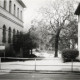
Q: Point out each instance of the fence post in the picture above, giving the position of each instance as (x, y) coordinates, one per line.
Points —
(72, 65)
(0, 63)
(35, 64)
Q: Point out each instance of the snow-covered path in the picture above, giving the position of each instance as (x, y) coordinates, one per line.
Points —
(52, 64)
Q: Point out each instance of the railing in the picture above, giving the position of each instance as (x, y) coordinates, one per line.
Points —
(50, 64)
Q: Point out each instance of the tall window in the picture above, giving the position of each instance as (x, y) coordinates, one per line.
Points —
(17, 32)
(21, 15)
(20, 32)
(4, 4)
(14, 9)
(9, 35)
(10, 5)
(0, 2)
(14, 33)
(18, 12)
(4, 34)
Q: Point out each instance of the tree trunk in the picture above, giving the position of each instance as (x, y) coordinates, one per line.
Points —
(56, 42)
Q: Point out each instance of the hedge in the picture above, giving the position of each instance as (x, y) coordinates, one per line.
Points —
(70, 54)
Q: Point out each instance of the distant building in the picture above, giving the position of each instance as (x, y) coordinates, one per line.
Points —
(11, 19)
(77, 12)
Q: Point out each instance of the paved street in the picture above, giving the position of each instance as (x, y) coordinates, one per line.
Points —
(40, 76)
(46, 69)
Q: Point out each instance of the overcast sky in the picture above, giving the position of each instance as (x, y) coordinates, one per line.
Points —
(31, 11)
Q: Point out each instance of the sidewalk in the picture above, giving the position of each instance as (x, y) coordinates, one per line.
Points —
(41, 76)
(2, 72)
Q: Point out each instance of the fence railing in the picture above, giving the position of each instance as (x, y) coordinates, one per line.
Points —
(51, 64)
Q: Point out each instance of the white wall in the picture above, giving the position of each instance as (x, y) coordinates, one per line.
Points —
(8, 19)
(12, 10)
(79, 34)
(8, 24)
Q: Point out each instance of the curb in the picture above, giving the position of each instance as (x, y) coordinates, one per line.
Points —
(4, 72)
(45, 72)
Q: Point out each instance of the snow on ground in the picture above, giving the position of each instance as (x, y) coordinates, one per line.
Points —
(46, 62)
(44, 54)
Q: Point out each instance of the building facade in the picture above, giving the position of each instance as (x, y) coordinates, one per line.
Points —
(77, 12)
(11, 19)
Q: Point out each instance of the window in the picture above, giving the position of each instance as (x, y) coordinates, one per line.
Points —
(4, 4)
(17, 32)
(14, 9)
(0, 2)
(21, 15)
(9, 35)
(10, 6)
(14, 33)
(20, 32)
(4, 34)
(18, 12)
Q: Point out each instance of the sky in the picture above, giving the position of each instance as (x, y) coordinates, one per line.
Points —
(31, 11)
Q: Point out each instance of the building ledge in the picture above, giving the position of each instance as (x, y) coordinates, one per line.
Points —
(11, 14)
(21, 3)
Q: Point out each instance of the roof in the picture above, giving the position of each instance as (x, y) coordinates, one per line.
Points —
(21, 3)
(77, 12)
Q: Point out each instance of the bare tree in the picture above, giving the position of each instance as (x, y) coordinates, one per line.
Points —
(58, 14)
(55, 19)
(41, 32)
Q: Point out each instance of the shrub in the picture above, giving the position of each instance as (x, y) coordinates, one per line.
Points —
(69, 54)
(1, 53)
(9, 52)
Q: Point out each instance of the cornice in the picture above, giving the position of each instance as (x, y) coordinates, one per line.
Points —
(6, 17)
(21, 3)
(11, 14)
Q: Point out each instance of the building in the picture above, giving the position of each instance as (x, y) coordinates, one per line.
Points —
(77, 12)
(11, 19)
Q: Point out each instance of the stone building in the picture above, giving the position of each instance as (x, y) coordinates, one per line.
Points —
(11, 19)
